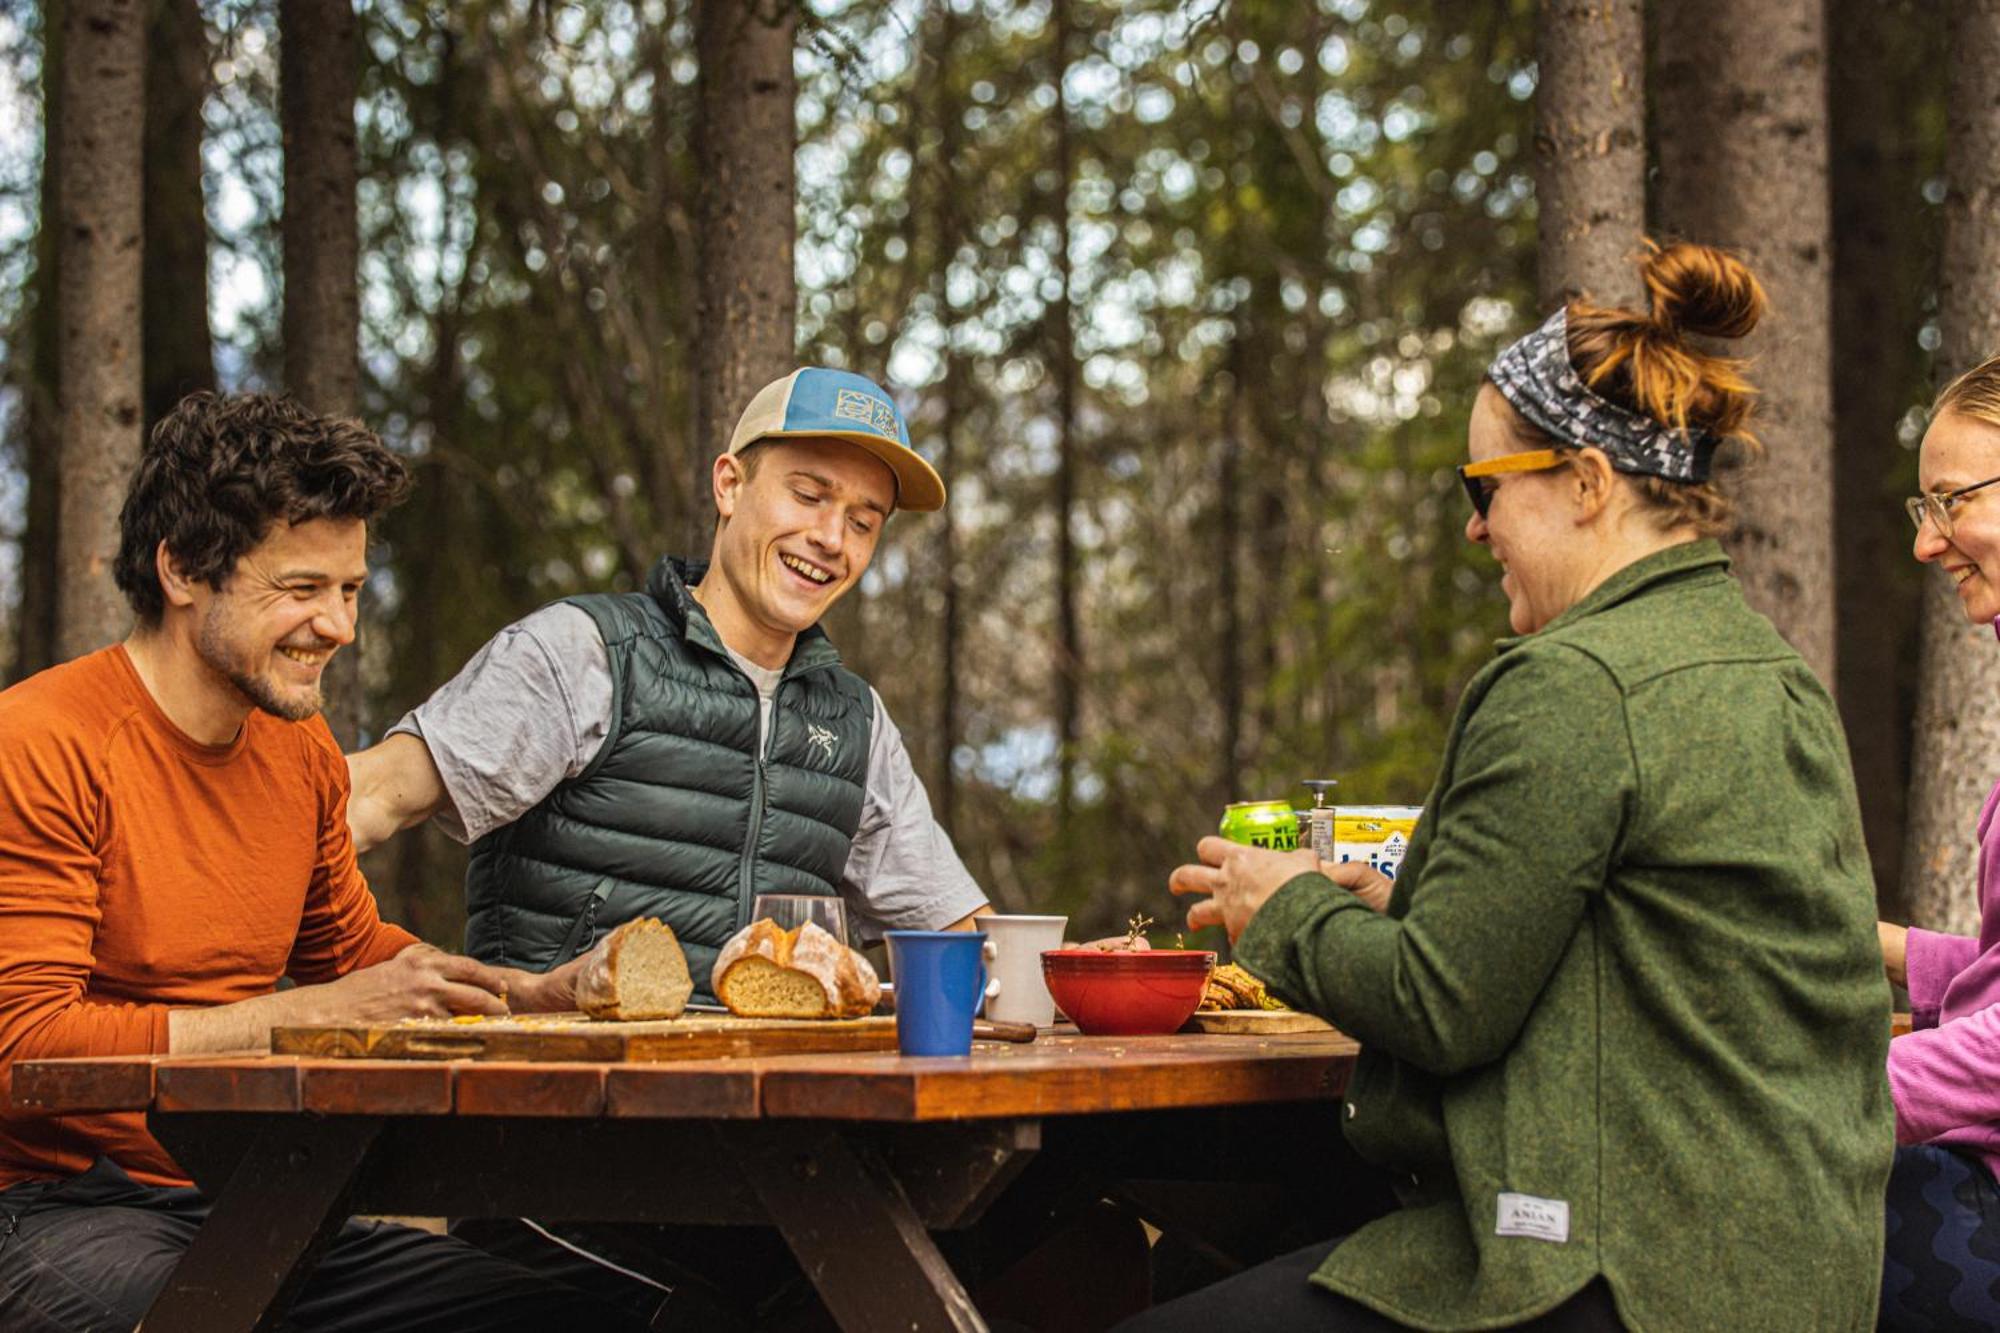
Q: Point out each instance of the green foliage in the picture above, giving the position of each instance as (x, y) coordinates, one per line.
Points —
(1296, 239)
(1297, 233)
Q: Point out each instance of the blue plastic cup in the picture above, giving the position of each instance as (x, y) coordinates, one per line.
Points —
(940, 978)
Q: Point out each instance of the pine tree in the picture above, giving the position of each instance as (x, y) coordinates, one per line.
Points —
(745, 193)
(1957, 741)
(1885, 100)
(101, 122)
(1740, 95)
(319, 57)
(1590, 148)
(177, 354)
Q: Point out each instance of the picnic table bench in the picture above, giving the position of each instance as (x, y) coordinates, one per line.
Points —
(856, 1158)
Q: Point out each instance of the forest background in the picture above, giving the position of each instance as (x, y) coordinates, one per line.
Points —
(1188, 300)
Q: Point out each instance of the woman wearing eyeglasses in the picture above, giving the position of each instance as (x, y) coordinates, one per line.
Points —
(1623, 1015)
(1942, 1269)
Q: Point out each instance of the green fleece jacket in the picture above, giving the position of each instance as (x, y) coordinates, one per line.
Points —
(1625, 1014)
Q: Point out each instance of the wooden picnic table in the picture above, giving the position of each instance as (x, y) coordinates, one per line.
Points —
(856, 1158)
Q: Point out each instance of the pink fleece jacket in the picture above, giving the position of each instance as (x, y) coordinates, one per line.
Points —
(1945, 1076)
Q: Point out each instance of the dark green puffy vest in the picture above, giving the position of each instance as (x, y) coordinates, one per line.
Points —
(678, 817)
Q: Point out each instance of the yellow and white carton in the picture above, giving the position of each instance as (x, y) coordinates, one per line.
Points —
(1377, 834)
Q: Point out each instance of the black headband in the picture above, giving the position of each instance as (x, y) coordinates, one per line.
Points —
(1536, 377)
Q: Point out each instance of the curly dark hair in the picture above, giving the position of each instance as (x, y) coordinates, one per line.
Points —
(220, 470)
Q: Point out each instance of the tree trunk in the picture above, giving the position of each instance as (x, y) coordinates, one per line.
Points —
(1741, 100)
(406, 872)
(951, 624)
(667, 184)
(948, 226)
(1590, 148)
(35, 628)
(319, 54)
(415, 877)
(1062, 368)
(1228, 567)
(1267, 554)
(745, 139)
(177, 354)
(1880, 72)
(102, 128)
(1958, 727)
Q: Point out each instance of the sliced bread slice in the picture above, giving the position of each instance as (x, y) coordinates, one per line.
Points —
(636, 972)
(766, 972)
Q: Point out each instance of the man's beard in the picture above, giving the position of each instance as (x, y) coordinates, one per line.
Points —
(215, 651)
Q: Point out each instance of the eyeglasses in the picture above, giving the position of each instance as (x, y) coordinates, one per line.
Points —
(1481, 491)
(1936, 506)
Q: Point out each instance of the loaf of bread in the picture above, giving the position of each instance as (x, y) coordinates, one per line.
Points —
(637, 971)
(765, 972)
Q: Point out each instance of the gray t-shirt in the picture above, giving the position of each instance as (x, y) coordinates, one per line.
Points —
(534, 706)
(766, 680)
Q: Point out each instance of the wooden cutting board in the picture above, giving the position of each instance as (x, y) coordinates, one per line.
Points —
(1260, 1022)
(574, 1037)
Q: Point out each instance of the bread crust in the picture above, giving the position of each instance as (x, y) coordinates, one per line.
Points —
(845, 978)
(598, 992)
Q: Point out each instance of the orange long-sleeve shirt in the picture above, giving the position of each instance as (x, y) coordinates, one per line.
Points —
(140, 872)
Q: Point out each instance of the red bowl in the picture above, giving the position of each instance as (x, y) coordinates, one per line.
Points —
(1127, 994)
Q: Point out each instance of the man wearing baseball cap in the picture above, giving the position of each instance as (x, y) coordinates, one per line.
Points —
(813, 403)
(676, 751)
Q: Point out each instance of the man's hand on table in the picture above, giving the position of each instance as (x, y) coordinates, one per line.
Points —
(419, 982)
(551, 992)
(1237, 880)
(431, 983)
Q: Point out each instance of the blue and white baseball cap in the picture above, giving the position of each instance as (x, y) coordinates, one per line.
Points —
(839, 405)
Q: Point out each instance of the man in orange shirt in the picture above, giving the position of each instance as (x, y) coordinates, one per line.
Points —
(173, 841)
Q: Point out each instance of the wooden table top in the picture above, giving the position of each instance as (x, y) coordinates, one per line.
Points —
(1060, 1074)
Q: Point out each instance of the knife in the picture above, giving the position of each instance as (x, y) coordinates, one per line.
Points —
(986, 1029)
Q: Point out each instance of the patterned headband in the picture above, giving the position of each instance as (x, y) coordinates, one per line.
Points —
(1535, 375)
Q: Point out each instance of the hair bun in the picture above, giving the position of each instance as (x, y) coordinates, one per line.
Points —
(1702, 290)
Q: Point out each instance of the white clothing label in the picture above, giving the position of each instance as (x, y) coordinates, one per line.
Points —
(1537, 1219)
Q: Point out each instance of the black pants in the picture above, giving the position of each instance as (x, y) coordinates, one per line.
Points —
(90, 1253)
(1941, 1266)
(715, 1279)
(1277, 1297)
(736, 1279)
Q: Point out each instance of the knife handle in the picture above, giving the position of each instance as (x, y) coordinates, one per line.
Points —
(986, 1029)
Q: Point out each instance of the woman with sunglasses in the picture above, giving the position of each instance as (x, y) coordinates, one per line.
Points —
(1622, 1016)
(1942, 1268)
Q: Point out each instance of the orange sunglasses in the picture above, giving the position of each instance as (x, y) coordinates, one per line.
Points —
(1480, 491)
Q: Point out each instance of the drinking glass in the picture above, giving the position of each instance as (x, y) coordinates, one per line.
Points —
(790, 910)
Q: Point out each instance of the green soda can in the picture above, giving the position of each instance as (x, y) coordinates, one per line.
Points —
(1270, 824)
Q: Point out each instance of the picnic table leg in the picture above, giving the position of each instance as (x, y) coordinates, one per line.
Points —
(267, 1228)
(853, 1231)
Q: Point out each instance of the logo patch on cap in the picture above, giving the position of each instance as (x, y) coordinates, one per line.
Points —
(867, 409)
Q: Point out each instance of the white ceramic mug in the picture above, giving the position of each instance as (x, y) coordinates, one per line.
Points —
(1018, 941)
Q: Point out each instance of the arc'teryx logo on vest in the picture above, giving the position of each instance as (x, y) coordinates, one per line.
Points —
(821, 739)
